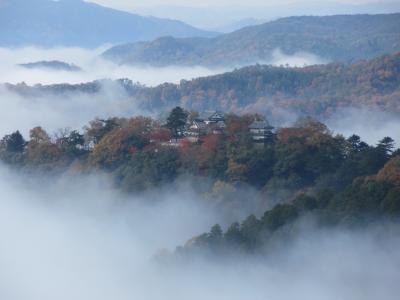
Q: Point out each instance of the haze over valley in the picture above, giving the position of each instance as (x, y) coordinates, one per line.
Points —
(184, 150)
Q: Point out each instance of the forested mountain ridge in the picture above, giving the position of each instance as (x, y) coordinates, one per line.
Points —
(139, 154)
(67, 89)
(303, 171)
(77, 23)
(364, 204)
(341, 38)
(55, 65)
(314, 91)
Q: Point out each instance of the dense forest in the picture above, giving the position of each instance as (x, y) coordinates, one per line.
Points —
(277, 92)
(305, 169)
(367, 202)
(316, 91)
(343, 38)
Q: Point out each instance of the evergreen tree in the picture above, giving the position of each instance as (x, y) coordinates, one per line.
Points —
(14, 142)
(176, 121)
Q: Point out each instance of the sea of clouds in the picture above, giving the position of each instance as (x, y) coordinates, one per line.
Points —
(78, 238)
(75, 110)
(93, 67)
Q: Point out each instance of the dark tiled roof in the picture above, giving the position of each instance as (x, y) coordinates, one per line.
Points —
(199, 124)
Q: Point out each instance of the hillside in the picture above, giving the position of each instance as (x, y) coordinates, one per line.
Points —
(366, 202)
(342, 38)
(297, 172)
(276, 91)
(50, 23)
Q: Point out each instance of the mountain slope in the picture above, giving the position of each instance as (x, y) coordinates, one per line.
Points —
(316, 91)
(335, 38)
(77, 23)
(280, 93)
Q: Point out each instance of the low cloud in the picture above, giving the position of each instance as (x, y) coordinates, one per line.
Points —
(79, 238)
(94, 67)
(52, 111)
(299, 59)
(76, 237)
(370, 124)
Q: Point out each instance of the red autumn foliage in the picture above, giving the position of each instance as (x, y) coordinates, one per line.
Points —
(210, 142)
(184, 144)
(284, 134)
(159, 135)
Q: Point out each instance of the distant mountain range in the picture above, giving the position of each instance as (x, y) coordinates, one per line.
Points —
(50, 23)
(52, 65)
(220, 18)
(342, 38)
(278, 92)
(237, 25)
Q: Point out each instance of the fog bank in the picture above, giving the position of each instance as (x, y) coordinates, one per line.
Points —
(370, 124)
(77, 238)
(93, 67)
(53, 112)
(299, 59)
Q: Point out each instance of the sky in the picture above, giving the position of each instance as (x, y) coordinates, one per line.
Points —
(223, 15)
(133, 3)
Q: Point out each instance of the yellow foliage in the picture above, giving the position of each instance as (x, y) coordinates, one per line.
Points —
(391, 171)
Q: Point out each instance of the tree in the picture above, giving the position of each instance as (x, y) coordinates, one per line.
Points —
(116, 147)
(250, 230)
(387, 145)
(216, 233)
(122, 142)
(391, 171)
(39, 136)
(305, 203)
(12, 148)
(176, 121)
(71, 142)
(237, 172)
(148, 168)
(13, 143)
(280, 215)
(98, 128)
(391, 203)
(237, 126)
(41, 151)
(354, 145)
(233, 236)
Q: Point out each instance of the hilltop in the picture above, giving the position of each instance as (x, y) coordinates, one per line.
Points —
(48, 23)
(341, 38)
